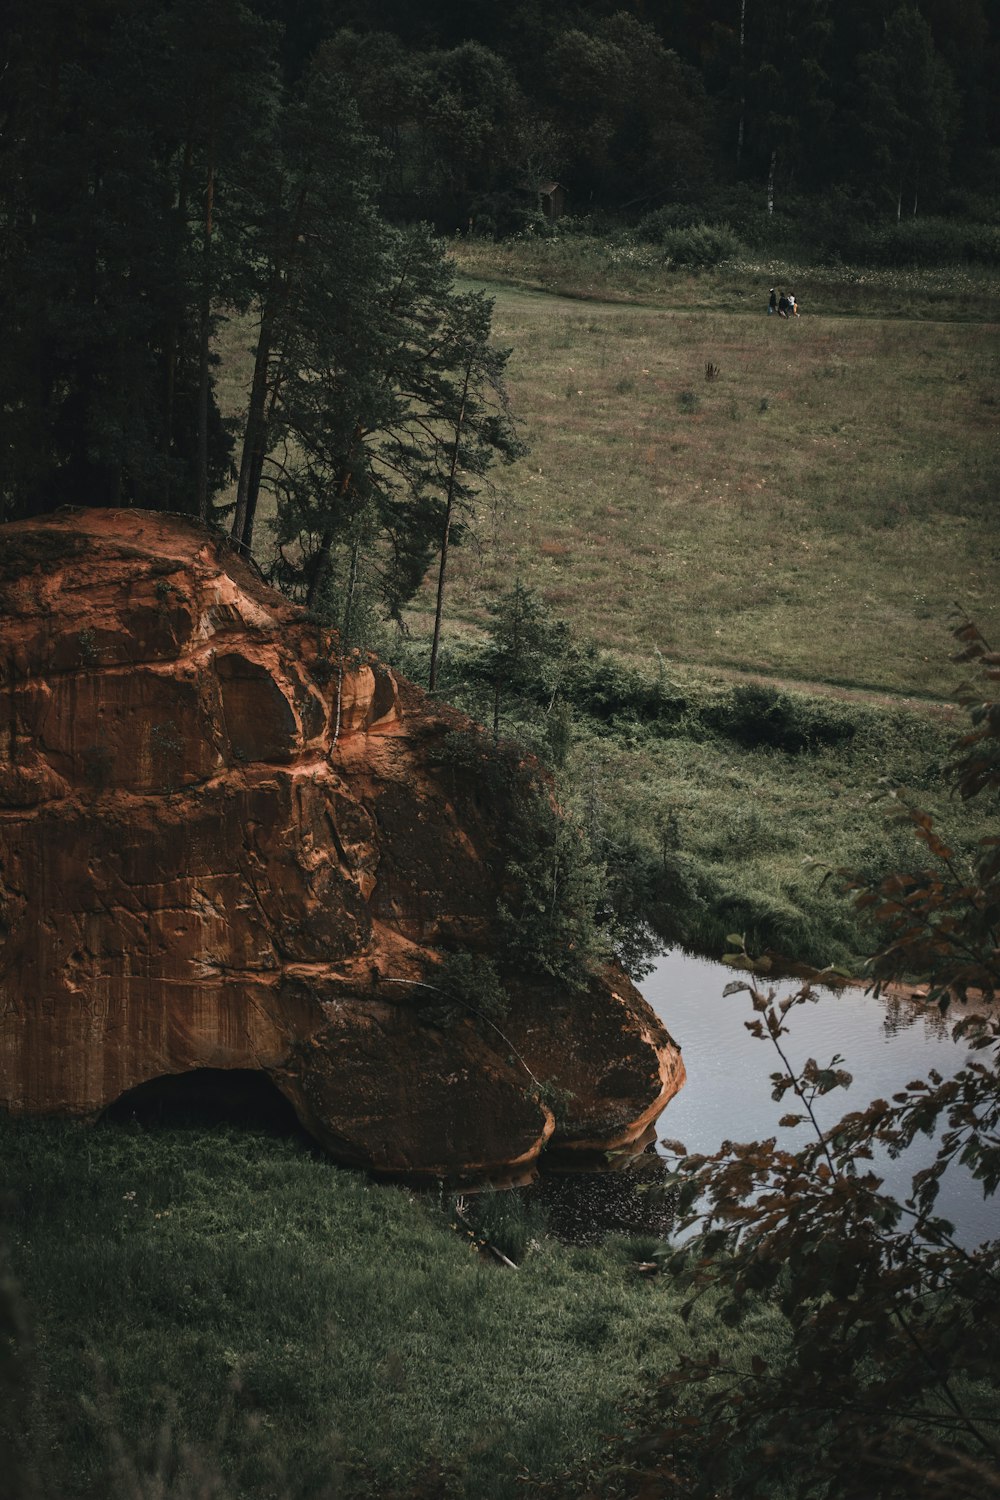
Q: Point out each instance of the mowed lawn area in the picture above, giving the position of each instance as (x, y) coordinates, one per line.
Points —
(804, 499)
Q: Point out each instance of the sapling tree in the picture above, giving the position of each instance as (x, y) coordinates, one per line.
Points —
(552, 888)
(527, 649)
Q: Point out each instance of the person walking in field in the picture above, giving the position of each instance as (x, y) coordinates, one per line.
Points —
(772, 305)
(783, 305)
(793, 306)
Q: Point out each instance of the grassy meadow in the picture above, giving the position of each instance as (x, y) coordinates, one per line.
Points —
(732, 504)
(721, 500)
(221, 1314)
(803, 499)
(806, 500)
(622, 269)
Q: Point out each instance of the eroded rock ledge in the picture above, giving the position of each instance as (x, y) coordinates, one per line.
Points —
(214, 853)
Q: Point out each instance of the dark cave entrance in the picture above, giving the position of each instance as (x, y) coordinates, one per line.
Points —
(206, 1097)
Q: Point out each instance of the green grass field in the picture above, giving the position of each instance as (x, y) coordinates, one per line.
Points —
(807, 500)
(222, 1314)
(718, 497)
(803, 499)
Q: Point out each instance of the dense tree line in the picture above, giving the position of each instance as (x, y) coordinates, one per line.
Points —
(889, 104)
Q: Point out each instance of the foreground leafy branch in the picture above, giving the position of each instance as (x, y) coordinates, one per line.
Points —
(886, 1383)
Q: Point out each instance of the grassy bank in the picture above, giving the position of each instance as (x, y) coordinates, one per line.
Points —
(621, 268)
(224, 1313)
(708, 799)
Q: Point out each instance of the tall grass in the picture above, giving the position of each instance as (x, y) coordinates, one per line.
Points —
(224, 1313)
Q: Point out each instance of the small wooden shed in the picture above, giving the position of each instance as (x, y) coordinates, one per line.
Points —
(551, 199)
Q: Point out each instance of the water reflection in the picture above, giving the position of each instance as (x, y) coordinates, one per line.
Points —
(728, 1091)
(902, 1012)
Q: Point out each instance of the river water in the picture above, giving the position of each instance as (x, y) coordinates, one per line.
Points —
(728, 1091)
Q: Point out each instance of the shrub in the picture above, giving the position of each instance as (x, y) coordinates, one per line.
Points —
(508, 1221)
(686, 239)
(465, 982)
(553, 889)
(605, 689)
(550, 886)
(671, 216)
(701, 245)
(922, 242)
(755, 714)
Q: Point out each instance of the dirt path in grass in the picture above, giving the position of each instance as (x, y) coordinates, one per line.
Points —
(942, 709)
(918, 296)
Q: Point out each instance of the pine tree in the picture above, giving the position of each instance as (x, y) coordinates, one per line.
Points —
(383, 432)
(907, 112)
(316, 251)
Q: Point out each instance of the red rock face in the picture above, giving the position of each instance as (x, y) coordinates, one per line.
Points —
(218, 850)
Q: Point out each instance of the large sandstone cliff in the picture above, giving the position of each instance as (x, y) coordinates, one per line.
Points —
(217, 851)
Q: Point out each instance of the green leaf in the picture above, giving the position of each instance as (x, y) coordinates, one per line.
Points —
(738, 961)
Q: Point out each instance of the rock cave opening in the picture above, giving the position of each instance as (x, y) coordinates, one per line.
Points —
(205, 1097)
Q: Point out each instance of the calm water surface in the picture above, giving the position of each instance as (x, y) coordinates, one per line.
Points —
(728, 1091)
